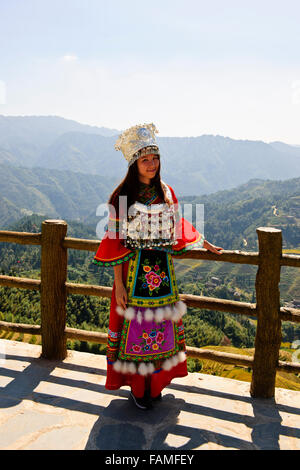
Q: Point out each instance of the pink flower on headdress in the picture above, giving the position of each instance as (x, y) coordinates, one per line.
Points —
(156, 267)
(136, 348)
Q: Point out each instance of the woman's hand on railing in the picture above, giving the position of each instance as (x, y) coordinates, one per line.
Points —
(121, 295)
(212, 248)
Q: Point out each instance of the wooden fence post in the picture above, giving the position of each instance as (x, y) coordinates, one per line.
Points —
(54, 260)
(268, 333)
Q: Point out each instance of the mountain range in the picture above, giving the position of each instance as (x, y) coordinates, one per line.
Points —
(191, 165)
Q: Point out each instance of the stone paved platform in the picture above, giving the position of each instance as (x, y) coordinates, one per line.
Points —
(64, 405)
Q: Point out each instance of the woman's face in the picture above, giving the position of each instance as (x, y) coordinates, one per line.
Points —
(147, 167)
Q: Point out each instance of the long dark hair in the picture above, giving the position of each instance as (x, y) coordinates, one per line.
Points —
(130, 186)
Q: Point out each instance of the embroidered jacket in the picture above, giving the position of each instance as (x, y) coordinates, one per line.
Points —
(112, 250)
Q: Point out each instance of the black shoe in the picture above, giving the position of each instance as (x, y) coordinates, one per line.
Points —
(143, 403)
(148, 396)
(159, 397)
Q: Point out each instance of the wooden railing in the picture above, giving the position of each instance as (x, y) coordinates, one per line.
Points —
(54, 288)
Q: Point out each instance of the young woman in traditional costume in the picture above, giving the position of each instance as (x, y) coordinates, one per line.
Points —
(146, 344)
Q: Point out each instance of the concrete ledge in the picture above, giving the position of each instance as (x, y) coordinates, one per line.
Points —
(64, 405)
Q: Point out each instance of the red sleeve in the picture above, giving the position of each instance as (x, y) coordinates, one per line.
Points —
(188, 238)
(111, 250)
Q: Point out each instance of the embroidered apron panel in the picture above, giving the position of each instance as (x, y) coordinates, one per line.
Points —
(151, 280)
(148, 341)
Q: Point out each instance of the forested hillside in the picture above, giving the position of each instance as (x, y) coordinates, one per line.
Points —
(50, 193)
(232, 216)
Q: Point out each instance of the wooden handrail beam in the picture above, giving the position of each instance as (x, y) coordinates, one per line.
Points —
(290, 260)
(87, 289)
(20, 328)
(22, 238)
(81, 244)
(222, 305)
(289, 314)
(20, 282)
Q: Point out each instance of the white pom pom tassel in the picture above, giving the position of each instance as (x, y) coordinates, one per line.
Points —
(139, 317)
(159, 315)
(129, 313)
(168, 313)
(142, 369)
(146, 369)
(176, 315)
(181, 356)
(117, 366)
(149, 314)
(167, 365)
(131, 368)
(181, 306)
(124, 367)
(174, 361)
(151, 368)
(120, 310)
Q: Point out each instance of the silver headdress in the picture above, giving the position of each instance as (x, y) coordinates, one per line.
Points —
(137, 141)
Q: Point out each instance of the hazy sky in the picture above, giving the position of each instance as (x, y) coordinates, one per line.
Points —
(192, 67)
